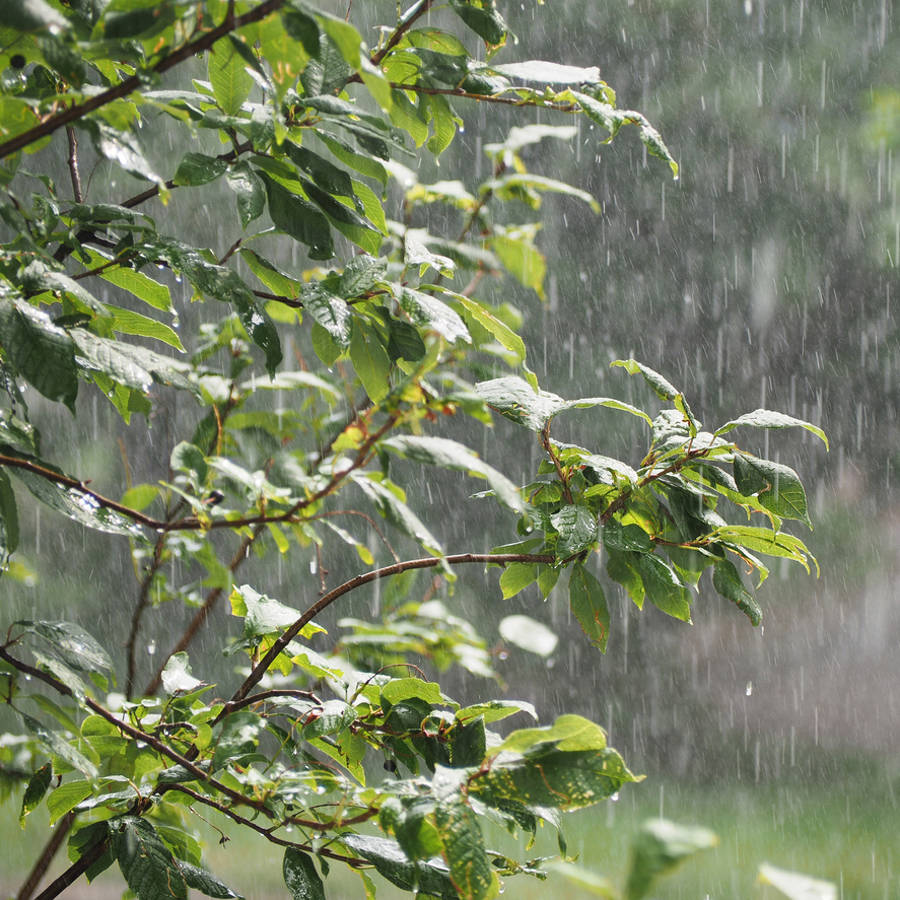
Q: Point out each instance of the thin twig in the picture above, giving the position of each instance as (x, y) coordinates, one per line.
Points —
(77, 190)
(265, 832)
(386, 571)
(202, 614)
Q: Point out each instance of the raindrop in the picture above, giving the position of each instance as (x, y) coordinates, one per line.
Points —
(749, 689)
(313, 567)
(151, 648)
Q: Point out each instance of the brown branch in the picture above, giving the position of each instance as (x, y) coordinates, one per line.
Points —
(74, 872)
(266, 832)
(202, 614)
(42, 863)
(262, 696)
(138, 612)
(77, 190)
(212, 598)
(399, 31)
(545, 443)
(133, 83)
(386, 571)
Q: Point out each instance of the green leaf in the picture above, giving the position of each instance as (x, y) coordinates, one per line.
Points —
(33, 15)
(659, 846)
(142, 286)
(577, 530)
(664, 589)
(249, 191)
(460, 833)
(765, 540)
(517, 401)
(584, 879)
(501, 332)
(516, 577)
(795, 886)
(130, 365)
(549, 72)
(331, 312)
(71, 644)
(126, 321)
(177, 677)
(35, 790)
(9, 521)
(66, 797)
(228, 75)
(58, 745)
(449, 454)
(664, 388)
(148, 866)
(777, 487)
(766, 418)
(529, 634)
(626, 537)
(431, 877)
(121, 148)
(301, 877)
(523, 260)
(513, 185)
(205, 882)
(468, 743)
(483, 18)
(78, 506)
(495, 710)
(727, 581)
(589, 606)
(41, 351)
(399, 689)
(371, 361)
(554, 778)
(300, 219)
(429, 313)
(393, 508)
(198, 168)
(262, 614)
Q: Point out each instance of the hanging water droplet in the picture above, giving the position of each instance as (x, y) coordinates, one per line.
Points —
(615, 797)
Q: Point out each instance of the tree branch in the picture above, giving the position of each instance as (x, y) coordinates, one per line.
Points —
(133, 83)
(77, 190)
(202, 614)
(265, 832)
(42, 863)
(74, 872)
(427, 562)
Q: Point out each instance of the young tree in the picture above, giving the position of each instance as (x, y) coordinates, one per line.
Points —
(389, 328)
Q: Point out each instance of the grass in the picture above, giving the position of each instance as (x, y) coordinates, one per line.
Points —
(843, 829)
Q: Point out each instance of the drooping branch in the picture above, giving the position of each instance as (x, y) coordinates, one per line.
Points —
(427, 562)
(129, 85)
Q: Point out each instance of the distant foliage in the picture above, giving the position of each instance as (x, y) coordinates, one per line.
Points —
(350, 756)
